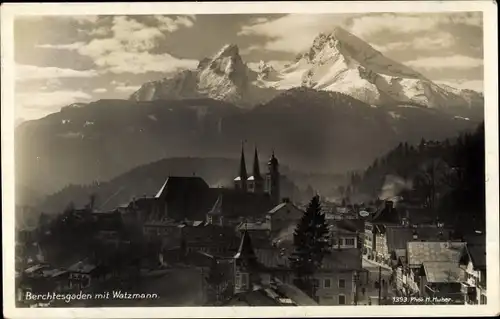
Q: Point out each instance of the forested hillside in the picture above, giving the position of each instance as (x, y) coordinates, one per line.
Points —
(446, 177)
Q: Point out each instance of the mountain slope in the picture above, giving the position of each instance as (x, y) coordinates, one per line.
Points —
(312, 131)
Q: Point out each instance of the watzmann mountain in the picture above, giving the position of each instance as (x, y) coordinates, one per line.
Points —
(338, 61)
(336, 108)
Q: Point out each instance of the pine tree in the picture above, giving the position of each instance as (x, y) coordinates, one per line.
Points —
(311, 245)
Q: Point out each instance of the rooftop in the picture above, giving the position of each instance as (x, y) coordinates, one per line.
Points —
(82, 267)
(443, 272)
(253, 226)
(420, 252)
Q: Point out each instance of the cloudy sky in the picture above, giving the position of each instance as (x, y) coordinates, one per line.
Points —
(62, 60)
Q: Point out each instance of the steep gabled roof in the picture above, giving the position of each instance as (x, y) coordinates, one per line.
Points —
(180, 184)
(420, 252)
(245, 251)
(476, 253)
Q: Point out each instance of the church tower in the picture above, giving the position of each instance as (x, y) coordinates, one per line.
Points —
(273, 179)
(240, 182)
(256, 182)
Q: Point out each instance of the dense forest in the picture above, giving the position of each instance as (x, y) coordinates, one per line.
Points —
(446, 177)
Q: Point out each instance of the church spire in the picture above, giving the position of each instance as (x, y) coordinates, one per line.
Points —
(243, 168)
(256, 167)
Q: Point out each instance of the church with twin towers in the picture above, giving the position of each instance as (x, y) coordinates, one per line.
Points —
(257, 183)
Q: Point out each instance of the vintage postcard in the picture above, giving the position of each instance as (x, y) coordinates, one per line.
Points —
(252, 159)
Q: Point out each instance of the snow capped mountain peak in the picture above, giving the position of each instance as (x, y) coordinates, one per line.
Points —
(223, 76)
(336, 61)
(228, 50)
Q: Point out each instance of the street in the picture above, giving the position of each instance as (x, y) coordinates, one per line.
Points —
(368, 290)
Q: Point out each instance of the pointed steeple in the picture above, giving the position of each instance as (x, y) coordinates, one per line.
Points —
(256, 167)
(245, 251)
(243, 168)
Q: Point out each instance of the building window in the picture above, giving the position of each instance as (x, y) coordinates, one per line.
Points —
(349, 242)
(327, 283)
(341, 299)
(244, 280)
(341, 283)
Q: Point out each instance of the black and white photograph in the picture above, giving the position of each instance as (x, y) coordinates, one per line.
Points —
(245, 158)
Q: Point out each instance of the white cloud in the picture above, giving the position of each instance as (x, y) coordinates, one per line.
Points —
(32, 105)
(295, 32)
(119, 62)
(100, 31)
(169, 24)
(83, 19)
(291, 33)
(440, 40)
(446, 62)
(128, 49)
(33, 72)
(276, 64)
(69, 46)
(398, 23)
(127, 89)
(100, 90)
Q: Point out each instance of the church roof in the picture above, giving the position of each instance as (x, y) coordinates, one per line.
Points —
(233, 203)
(179, 184)
(256, 168)
(243, 168)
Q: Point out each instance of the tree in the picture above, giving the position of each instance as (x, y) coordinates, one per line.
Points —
(430, 180)
(310, 241)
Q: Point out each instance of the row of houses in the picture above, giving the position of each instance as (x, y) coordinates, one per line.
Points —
(428, 259)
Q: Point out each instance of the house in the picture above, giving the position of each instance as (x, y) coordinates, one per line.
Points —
(338, 278)
(82, 275)
(391, 237)
(473, 263)
(255, 285)
(442, 279)
(283, 215)
(165, 229)
(341, 213)
(370, 240)
(342, 236)
(39, 279)
(420, 252)
(259, 230)
(212, 239)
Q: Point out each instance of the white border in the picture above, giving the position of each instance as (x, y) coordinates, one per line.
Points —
(8, 11)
